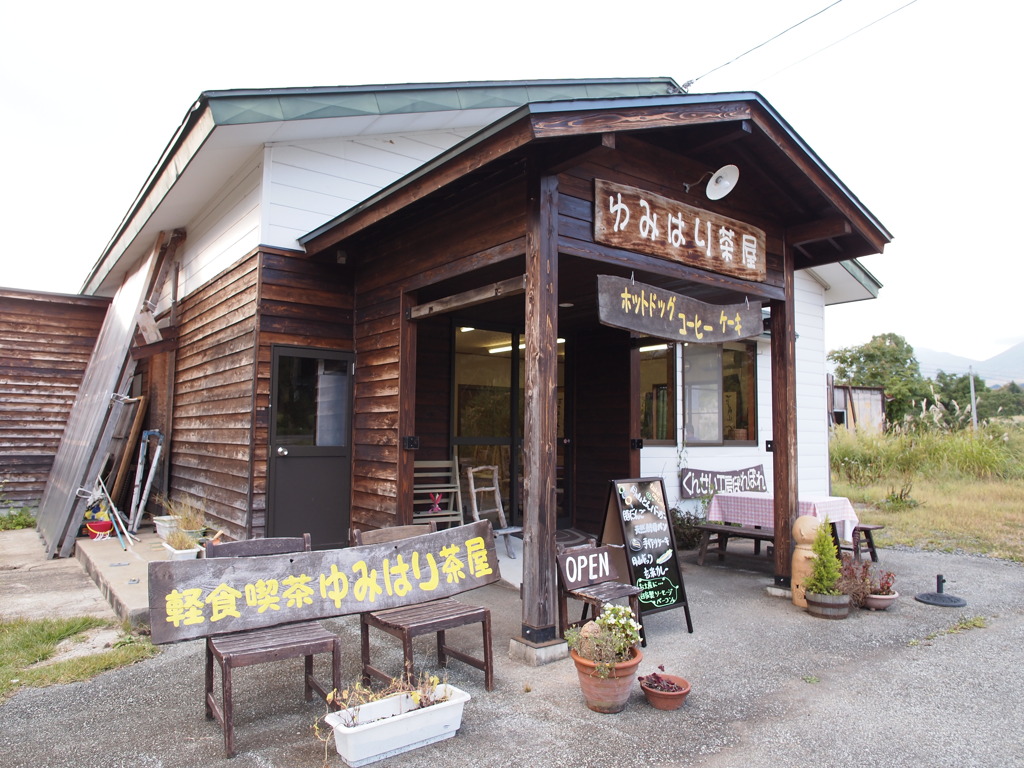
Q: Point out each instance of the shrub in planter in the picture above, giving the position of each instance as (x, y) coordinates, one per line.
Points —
(824, 598)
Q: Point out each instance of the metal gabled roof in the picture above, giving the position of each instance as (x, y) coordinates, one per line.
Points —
(223, 128)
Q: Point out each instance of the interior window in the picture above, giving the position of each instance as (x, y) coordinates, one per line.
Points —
(658, 394)
(719, 385)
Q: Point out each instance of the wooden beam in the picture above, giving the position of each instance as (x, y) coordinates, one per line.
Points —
(574, 123)
(783, 356)
(816, 231)
(540, 417)
(511, 287)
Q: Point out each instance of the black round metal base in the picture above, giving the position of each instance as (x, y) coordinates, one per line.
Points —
(941, 599)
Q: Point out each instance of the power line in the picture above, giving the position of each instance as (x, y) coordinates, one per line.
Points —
(837, 42)
(686, 86)
(689, 83)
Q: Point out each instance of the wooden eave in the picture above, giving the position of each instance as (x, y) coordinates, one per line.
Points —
(825, 222)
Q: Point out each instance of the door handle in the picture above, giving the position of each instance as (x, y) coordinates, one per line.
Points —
(282, 451)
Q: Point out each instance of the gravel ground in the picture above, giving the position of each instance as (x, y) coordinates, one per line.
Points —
(772, 686)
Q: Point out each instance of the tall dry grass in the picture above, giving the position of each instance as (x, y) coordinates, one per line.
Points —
(949, 491)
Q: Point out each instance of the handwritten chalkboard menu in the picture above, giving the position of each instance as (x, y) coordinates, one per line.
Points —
(638, 519)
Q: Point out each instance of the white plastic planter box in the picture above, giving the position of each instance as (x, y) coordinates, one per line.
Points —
(393, 725)
(164, 525)
(182, 554)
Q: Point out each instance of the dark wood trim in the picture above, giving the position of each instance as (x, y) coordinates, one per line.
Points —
(783, 356)
(573, 123)
(634, 409)
(663, 267)
(406, 410)
(816, 231)
(511, 287)
(827, 186)
(539, 588)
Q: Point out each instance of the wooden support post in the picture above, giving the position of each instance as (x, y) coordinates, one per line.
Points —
(783, 326)
(539, 591)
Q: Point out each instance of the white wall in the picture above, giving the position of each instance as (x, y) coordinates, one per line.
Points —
(310, 183)
(287, 190)
(811, 401)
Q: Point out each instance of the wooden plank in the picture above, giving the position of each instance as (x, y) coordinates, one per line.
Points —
(643, 221)
(540, 415)
(786, 487)
(197, 598)
(512, 287)
(648, 310)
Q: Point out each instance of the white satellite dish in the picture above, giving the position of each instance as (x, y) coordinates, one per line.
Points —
(722, 182)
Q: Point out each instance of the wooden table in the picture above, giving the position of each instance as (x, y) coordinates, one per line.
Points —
(758, 509)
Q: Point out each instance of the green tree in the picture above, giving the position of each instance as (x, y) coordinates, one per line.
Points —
(886, 361)
(954, 392)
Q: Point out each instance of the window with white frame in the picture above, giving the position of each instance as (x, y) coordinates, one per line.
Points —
(719, 393)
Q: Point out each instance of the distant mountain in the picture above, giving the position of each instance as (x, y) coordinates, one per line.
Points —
(996, 371)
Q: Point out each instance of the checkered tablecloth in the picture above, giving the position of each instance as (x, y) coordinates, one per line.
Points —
(759, 509)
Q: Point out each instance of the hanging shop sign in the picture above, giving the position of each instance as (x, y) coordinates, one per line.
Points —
(638, 220)
(698, 483)
(651, 311)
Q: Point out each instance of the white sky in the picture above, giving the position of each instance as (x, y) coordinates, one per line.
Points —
(914, 113)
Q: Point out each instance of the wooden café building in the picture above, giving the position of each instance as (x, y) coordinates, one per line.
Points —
(318, 288)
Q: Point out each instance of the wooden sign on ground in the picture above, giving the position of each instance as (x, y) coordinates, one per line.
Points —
(196, 598)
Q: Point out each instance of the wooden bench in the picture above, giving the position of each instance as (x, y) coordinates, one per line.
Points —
(259, 600)
(722, 532)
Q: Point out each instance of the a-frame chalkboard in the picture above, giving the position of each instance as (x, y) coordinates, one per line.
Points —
(638, 519)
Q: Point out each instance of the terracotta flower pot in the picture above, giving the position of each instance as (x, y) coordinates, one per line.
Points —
(880, 602)
(607, 695)
(667, 700)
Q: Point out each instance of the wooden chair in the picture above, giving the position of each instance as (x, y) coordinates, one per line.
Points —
(588, 574)
(435, 617)
(436, 494)
(256, 646)
(489, 474)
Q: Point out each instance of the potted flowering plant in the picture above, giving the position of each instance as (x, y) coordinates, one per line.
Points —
(867, 587)
(606, 654)
(881, 594)
(664, 691)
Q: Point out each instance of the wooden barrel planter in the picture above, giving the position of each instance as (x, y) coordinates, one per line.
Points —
(828, 606)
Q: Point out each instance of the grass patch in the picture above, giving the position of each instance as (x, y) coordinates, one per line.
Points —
(15, 519)
(25, 643)
(952, 514)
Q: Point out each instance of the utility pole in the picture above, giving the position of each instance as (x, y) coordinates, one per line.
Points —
(974, 403)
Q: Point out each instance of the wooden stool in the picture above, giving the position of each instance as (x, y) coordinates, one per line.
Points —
(864, 541)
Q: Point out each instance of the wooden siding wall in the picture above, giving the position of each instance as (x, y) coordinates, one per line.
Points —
(441, 244)
(303, 303)
(45, 343)
(212, 422)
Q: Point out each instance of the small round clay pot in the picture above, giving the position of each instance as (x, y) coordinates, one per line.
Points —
(668, 700)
